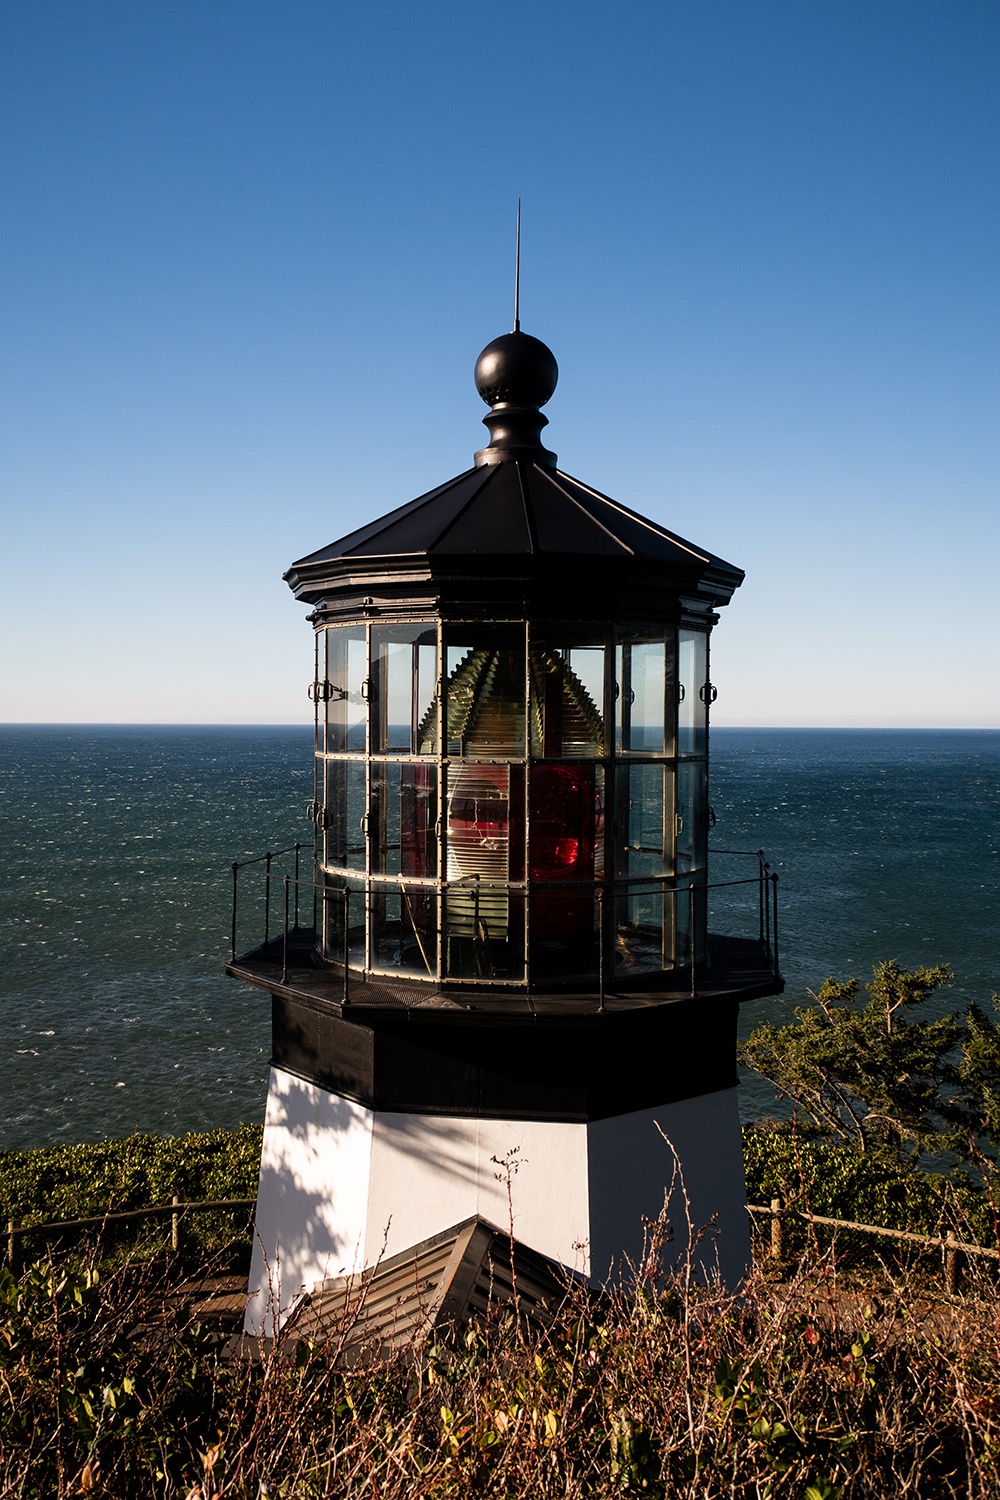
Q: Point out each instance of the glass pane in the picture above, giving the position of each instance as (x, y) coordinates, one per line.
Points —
(483, 932)
(567, 700)
(691, 820)
(565, 830)
(644, 854)
(692, 710)
(344, 814)
(485, 690)
(384, 821)
(562, 822)
(485, 827)
(344, 900)
(691, 833)
(484, 921)
(418, 820)
(404, 676)
(319, 702)
(643, 674)
(564, 937)
(404, 929)
(691, 923)
(641, 930)
(404, 818)
(643, 811)
(346, 672)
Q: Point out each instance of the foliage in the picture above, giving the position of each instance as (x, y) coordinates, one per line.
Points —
(671, 1390)
(87, 1181)
(881, 1077)
(91, 1394)
(842, 1182)
(979, 1069)
(77, 1182)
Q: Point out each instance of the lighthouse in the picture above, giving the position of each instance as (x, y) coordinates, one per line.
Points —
(496, 993)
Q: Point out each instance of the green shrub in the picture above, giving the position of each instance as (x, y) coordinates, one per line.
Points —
(841, 1182)
(140, 1171)
(79, 1182)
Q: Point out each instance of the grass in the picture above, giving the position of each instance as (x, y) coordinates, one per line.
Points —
(845, 1373)
(802, 1387)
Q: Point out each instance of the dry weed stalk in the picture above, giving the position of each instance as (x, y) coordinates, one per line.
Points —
(806, 1386)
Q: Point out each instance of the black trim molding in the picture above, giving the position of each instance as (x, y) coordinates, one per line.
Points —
(544, 1068)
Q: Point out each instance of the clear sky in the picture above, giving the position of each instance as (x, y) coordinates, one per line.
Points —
(251, 249)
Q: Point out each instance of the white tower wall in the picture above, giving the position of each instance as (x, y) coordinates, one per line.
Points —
(342, 1186)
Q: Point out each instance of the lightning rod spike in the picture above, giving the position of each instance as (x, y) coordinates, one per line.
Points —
(517, 273)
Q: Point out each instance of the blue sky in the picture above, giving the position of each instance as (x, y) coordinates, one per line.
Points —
(251, 251)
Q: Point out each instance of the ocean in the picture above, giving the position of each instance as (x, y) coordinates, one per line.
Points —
(116, 844)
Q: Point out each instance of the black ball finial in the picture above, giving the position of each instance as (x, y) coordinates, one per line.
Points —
(515, 375)
(516, 369)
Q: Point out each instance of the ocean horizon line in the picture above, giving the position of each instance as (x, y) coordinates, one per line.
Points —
(307, 724)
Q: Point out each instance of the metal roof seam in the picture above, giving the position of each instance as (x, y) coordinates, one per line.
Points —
(634, 515)
(450, 525)
(476, 493)
(584, 511)
(362, 534)
(528, 518)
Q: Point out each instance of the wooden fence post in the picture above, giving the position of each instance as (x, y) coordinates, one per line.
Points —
(12, 1224)
(776, 1246)
(175, 1226)
(950, 1264)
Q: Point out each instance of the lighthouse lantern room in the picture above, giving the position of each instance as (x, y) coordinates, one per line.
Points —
(509, 980)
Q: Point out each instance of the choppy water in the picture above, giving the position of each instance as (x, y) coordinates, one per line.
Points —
(115, 846)
(887, 845)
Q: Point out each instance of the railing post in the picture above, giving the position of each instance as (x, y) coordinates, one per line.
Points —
(761, 892)
(175, 1226)
(236, 871)
(297, 848)
(950, 1264)
(267, 899)
(776, 1230)
(284, 936)
(12, 1224)
(774, 945)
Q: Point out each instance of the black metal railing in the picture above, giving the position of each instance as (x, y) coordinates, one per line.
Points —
(267, 860)
(764, 879)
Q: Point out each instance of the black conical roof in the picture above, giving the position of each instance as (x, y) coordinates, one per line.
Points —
(509, 510)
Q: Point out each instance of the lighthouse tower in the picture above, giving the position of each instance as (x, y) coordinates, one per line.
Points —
(510, 986)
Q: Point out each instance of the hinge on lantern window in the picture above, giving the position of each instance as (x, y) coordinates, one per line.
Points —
(708, 693)
(681, 692)
(320, 692)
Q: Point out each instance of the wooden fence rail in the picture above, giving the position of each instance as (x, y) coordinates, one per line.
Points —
(776, 1212)
(952, 1246)
(173, 1210)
